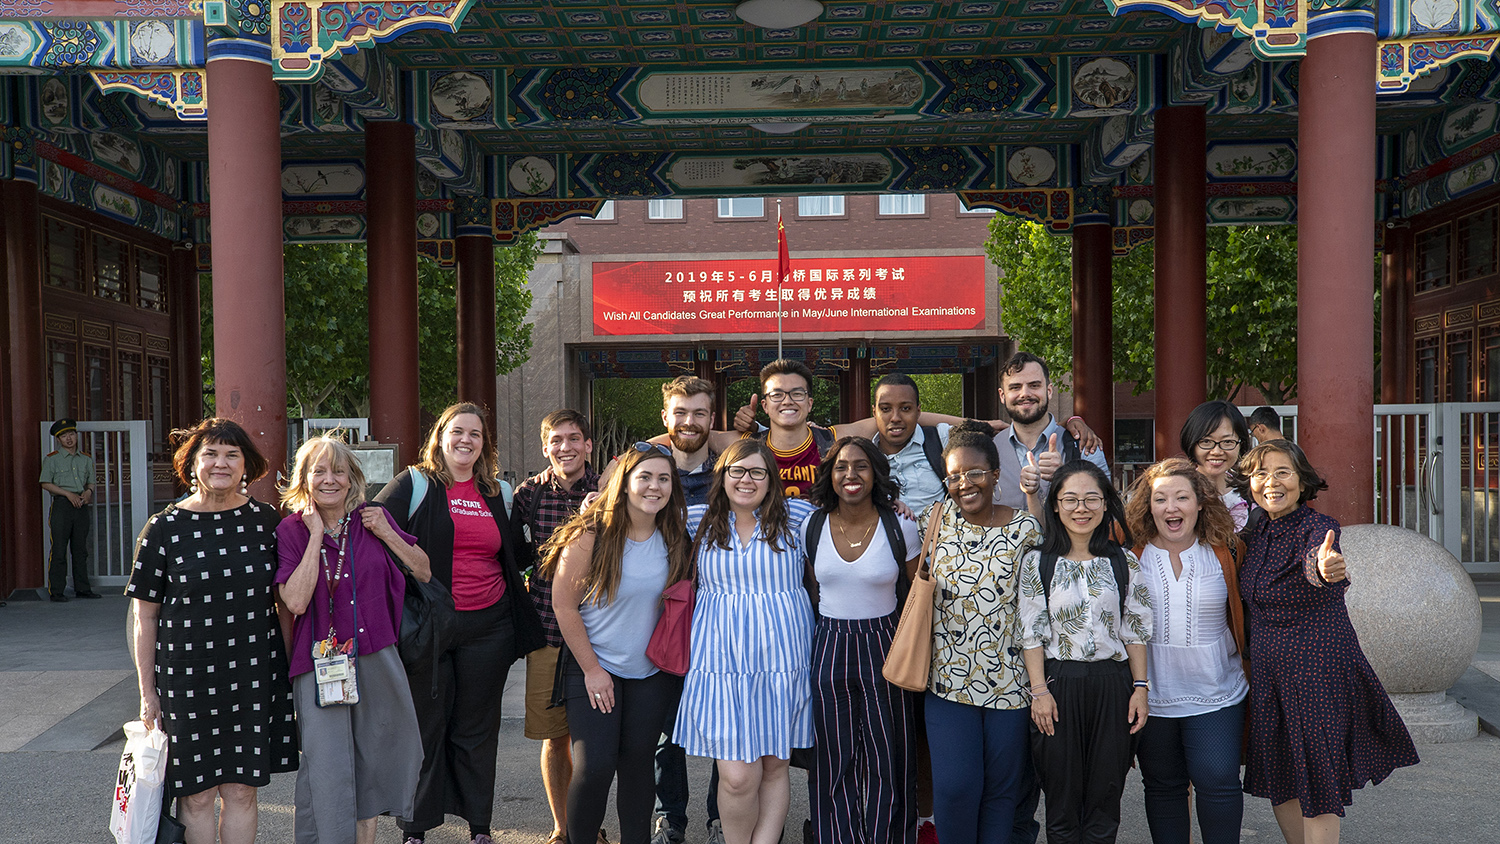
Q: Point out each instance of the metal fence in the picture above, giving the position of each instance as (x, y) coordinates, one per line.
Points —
(1437, 472)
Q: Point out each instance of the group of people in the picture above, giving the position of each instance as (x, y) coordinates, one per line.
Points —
(1194, 626)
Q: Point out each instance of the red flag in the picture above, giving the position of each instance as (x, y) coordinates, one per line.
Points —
(783, 258)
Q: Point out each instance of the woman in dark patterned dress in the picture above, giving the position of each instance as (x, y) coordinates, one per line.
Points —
(209, 651)
(1321, 725)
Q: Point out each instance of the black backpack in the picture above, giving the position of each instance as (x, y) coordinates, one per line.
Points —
(932, 446)
(1117, 562)
(893, 535)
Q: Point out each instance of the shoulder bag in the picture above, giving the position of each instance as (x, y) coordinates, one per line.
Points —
(669, 647)
(427, 613)
(909, 662)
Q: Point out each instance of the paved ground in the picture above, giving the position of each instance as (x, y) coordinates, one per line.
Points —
(66, 685)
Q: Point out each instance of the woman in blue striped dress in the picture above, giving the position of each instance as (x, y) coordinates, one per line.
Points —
(746, 701)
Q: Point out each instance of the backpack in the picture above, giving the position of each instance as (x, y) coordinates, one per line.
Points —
(1117, 562)
(893, 535)
(932, 446)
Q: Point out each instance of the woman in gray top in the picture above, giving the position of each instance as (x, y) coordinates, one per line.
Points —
(609, 565)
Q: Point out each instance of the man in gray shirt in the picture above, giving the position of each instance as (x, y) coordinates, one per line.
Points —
(1035, 444)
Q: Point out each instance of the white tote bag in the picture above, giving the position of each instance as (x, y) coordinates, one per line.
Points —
(139, 786)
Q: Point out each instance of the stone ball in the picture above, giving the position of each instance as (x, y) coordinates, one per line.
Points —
(1414, 607)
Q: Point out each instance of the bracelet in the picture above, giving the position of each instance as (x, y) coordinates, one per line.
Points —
(1142, 684)
(1071, 418)
(1042, 693)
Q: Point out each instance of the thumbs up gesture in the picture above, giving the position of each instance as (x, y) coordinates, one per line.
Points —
(1330, 562)
(1050, 459)
(744, 418)
(1031, 476)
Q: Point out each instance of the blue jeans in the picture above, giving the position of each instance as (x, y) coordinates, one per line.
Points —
(1201, 749)
(981, 771)
(672, 783)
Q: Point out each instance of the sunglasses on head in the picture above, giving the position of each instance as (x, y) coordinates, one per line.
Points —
(644, 447)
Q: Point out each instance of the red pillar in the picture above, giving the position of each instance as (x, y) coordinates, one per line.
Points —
(390, 194)
(244, 164)
(187, 339)
(1181, 293)
(706, 367)
(476, 321)
(1395, 349)
(24, 567)
(859, 385)
(1093, 328)
(1336, 239)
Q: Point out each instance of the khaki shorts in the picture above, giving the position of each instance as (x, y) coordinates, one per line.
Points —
(541, 722)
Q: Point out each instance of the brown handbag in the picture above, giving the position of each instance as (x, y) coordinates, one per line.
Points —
(909, 662)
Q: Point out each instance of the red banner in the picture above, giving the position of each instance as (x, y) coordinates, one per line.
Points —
(918, 293)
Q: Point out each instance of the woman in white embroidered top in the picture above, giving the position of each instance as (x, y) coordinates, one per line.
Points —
(1190, 563)
(1086, 619)
(862, 784)
(609, 565)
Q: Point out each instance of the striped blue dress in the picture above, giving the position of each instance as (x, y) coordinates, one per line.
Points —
(748, 691)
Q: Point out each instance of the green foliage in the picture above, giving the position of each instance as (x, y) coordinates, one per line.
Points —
(632, 405)
(940, 393)
(327, 326)
(1252, 304)
(825, 398)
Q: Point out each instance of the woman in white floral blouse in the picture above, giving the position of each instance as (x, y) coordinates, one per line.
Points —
(976, 701)
(1087, 619)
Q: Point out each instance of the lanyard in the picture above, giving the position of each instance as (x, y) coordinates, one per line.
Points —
(332, 577)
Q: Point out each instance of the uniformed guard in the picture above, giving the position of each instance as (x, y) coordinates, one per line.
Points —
(69, 476)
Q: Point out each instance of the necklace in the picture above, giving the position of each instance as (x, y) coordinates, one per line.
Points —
(862, 539)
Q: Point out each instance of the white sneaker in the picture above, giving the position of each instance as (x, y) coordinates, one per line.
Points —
(715, 832)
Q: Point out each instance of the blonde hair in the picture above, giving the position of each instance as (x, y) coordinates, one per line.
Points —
(297, 495)
(486, 466)
(609, 521)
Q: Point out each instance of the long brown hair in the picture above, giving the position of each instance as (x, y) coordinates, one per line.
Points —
(486, 467)
(608, 519)
(1215, 525)
(774, 524)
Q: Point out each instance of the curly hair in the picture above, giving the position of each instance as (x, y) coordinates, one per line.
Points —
(609, 521)
(1312, 482)
(975, 435)
(775, 525)
(883, 492)
(1214, 525)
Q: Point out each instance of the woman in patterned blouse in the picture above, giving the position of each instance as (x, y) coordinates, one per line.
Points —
(976, 704)
(1086, 613)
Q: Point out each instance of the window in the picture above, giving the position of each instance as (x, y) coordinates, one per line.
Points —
(820, 206)
(110, 280)
(1489, 363)
(742, 206)
(1476, 245)
(158, 373)
(606, 211)
(63, 243)
(1432, 258)
(96, 385)
(1460, 376)
(150, 281)
(1427, 383)
(963, 208)
(62, 360)
(664, 209)
(131, 394)
(1135, 440)
(903, 203)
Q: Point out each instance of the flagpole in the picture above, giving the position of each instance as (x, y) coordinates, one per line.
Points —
(779, 279)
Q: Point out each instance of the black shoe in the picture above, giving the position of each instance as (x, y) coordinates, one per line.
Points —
(59, 599)
(87, 595)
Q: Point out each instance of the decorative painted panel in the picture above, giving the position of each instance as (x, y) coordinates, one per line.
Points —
(310, 31)
(117, 44)
(183, 91)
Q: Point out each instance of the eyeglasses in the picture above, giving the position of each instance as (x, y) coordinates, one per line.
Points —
(645, 447)
(782, 395)
(1282, 476)
(755, 473)
(1209, 443)
(973, 476)
(1088, 502)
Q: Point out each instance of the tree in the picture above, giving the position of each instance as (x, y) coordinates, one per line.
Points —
(327, 326)
(1252, 305)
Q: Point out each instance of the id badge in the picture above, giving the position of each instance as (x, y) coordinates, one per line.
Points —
(333, 669)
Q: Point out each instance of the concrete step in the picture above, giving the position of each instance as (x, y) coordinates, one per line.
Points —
(96, 723)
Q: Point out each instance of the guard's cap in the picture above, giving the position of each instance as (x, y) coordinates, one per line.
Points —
(63, 426)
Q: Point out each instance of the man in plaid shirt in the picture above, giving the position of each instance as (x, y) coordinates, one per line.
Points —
(542, 503)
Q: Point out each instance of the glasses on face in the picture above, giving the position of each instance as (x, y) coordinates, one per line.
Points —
(974, 477)
(1088, 502)
(1209, 444)
(1282, 476)
(798, 394)
(645, 447)
(756, 473)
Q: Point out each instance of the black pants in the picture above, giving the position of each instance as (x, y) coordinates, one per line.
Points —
(459, 715)
(69, 527)
(1082, 766)
(621, 741)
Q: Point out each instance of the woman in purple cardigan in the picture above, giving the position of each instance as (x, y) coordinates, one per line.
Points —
(339, 576)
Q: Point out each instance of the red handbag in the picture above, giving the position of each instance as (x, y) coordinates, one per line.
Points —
(669, 647)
